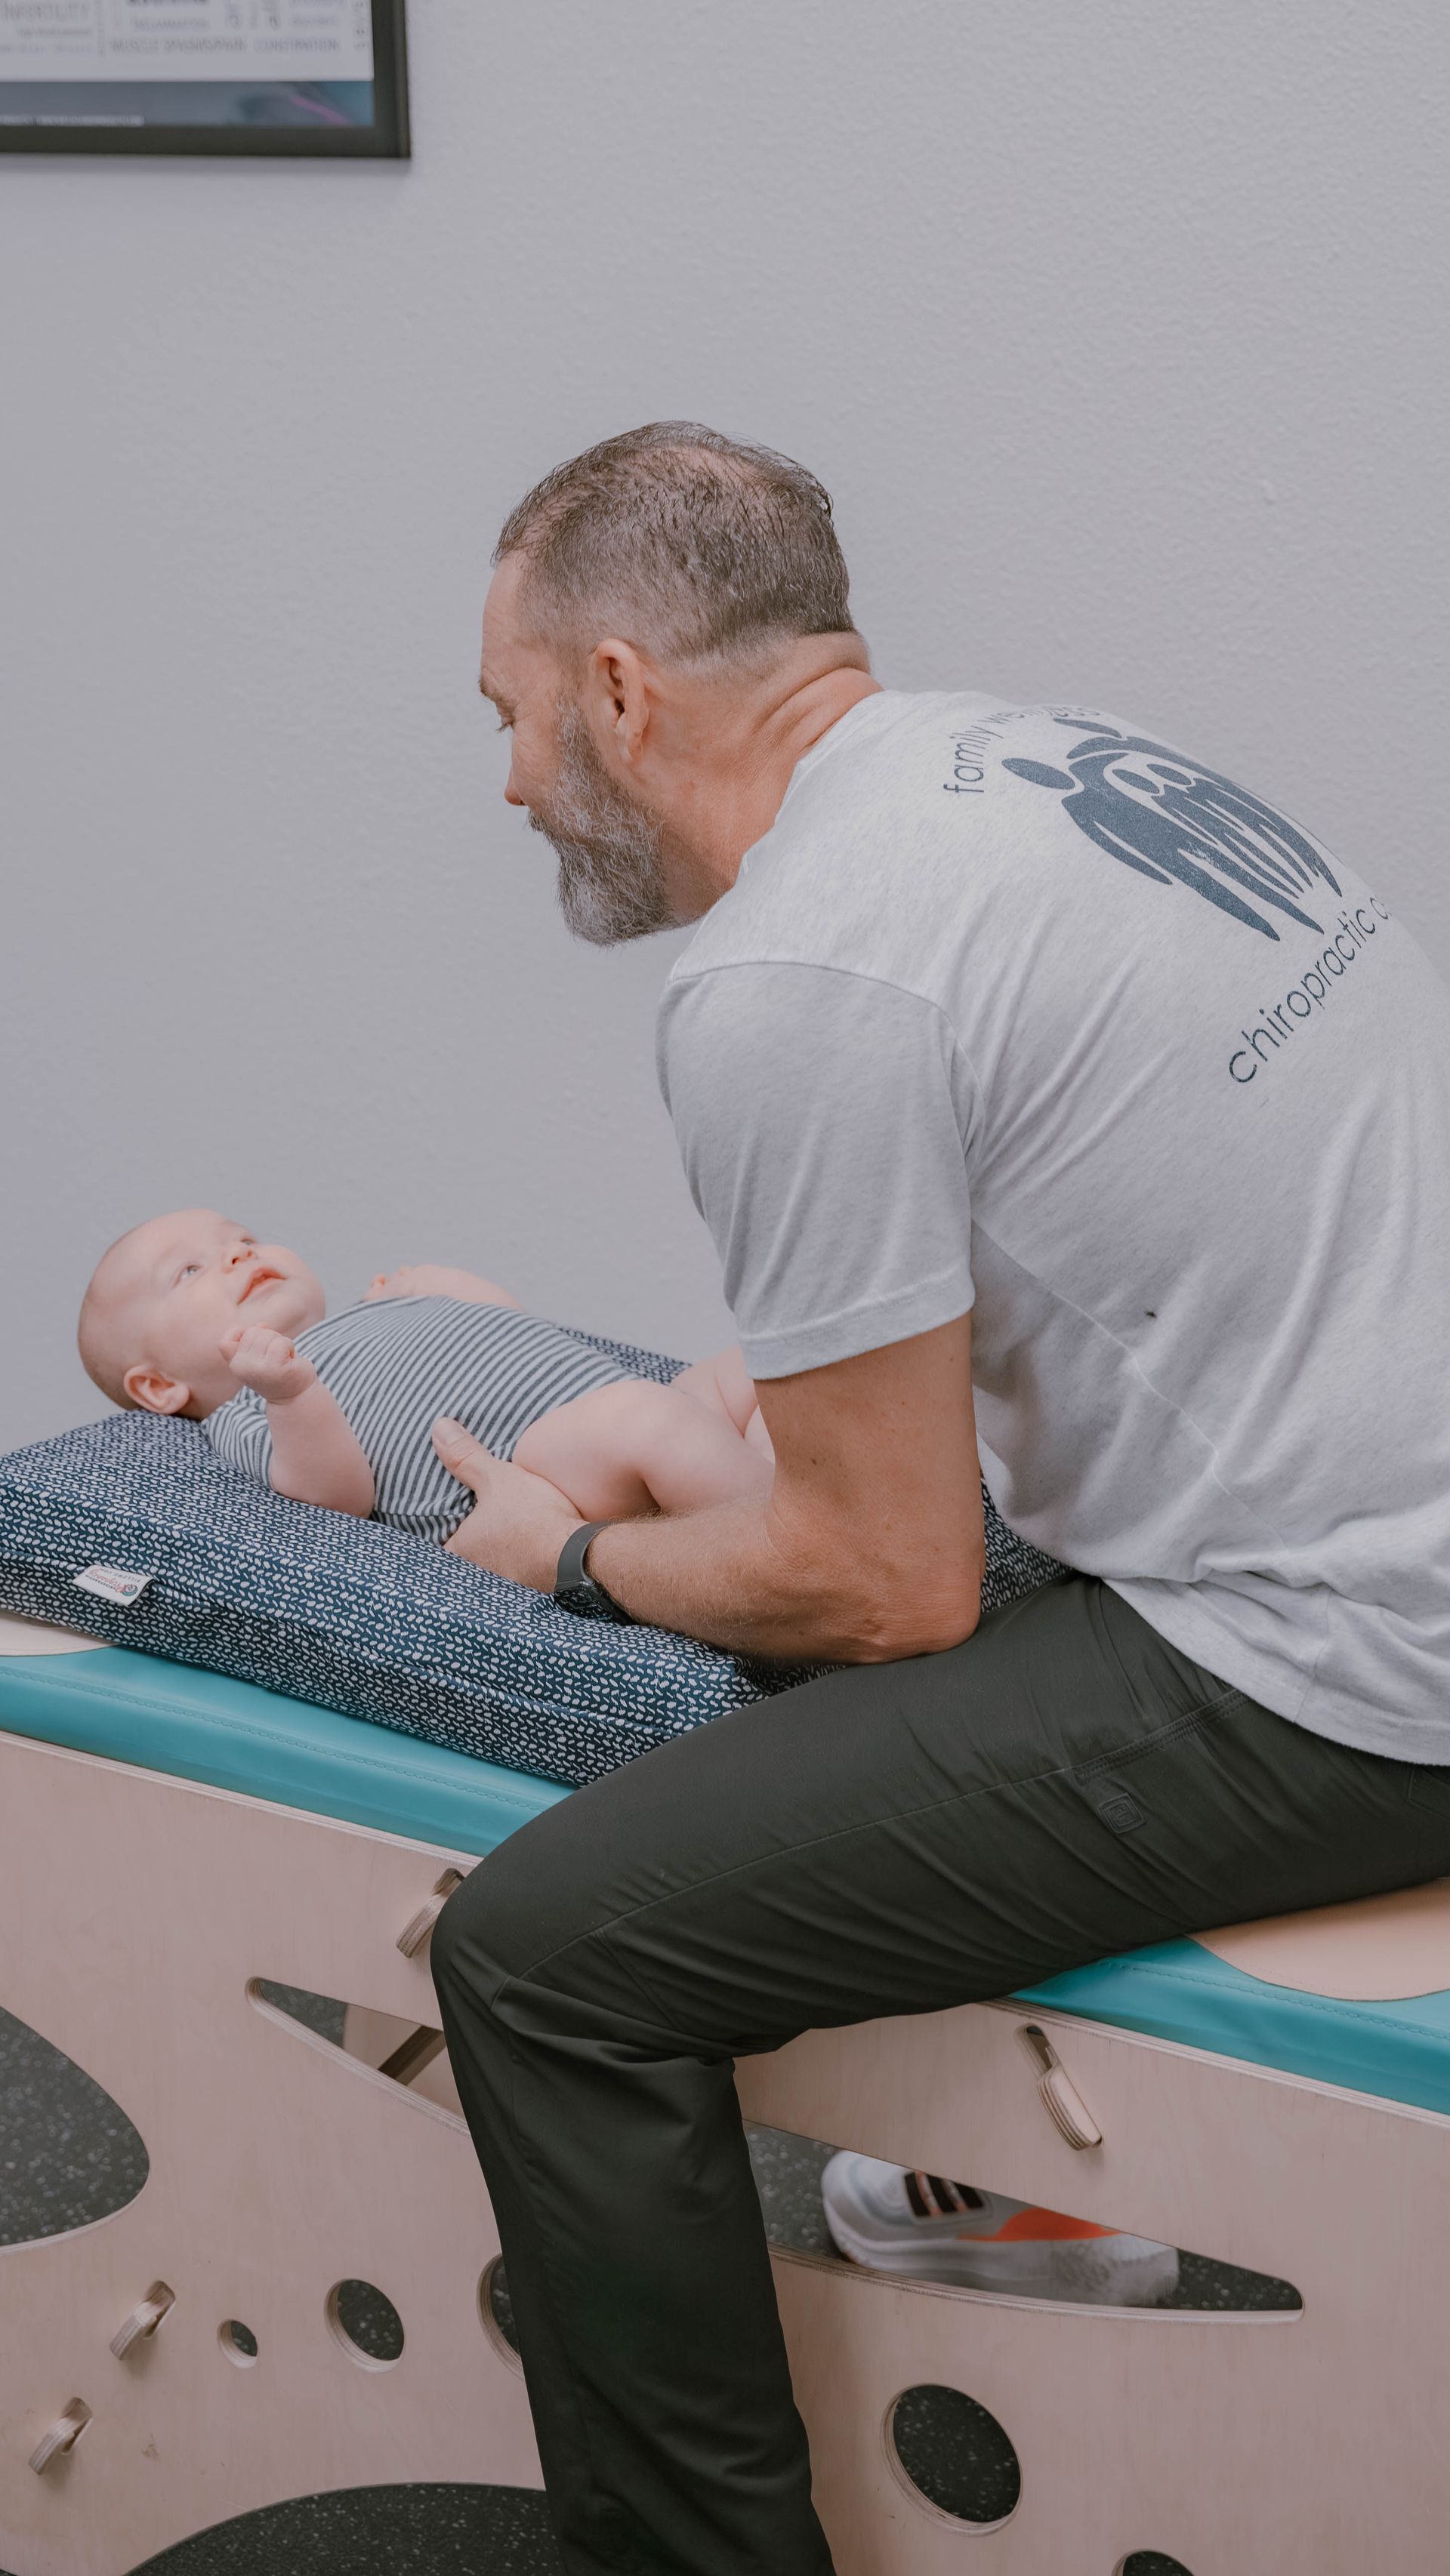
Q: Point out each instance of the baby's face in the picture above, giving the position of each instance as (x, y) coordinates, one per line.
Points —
(181, 1283)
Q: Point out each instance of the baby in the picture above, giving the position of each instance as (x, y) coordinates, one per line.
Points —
(189, 1314)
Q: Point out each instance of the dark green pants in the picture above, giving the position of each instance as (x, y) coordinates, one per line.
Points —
(890, 1839)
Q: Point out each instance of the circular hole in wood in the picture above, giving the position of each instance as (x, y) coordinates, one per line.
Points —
(238, 2342)
(68, 2153)
(365, 2323)
(1150, 2562)
(496, 2312)
(952, 2455)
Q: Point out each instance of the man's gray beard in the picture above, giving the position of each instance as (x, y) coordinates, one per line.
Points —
(611, 880)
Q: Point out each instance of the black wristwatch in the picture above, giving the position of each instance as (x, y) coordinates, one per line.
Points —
(574, 1585)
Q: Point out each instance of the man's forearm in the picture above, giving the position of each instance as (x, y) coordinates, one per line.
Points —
(316, 1454)
(741, 1577)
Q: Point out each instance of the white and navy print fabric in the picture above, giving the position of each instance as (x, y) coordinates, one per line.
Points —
(398, 1363)
(369, 1621)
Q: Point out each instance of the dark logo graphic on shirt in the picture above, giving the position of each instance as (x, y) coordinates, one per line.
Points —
(1172, 820)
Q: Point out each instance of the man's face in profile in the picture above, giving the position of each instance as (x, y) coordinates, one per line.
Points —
(612, 883)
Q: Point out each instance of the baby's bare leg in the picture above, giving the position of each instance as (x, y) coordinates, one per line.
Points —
(724, 1383)
(636, 1447)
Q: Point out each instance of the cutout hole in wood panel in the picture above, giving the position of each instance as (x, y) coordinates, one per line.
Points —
(496, 2312)
(68, 2153)
(238, 2342)
(410, 2054)
(952, 2456)
(992, 2244)
(365, 2322)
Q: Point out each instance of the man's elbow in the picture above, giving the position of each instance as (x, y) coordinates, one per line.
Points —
(896, 1621)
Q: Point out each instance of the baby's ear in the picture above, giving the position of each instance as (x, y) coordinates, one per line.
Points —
(153, 1391)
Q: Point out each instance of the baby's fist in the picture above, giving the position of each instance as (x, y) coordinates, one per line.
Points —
(267, 1362)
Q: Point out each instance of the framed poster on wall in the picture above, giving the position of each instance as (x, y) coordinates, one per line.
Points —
(322, 78)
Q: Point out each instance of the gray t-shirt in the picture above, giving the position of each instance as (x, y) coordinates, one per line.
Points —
(1016, 1010)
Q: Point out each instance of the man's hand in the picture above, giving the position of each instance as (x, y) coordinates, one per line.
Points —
(518, 1523)
(436, 1279)
(267, 1362)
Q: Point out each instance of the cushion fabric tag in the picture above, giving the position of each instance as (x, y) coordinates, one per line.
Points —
(113, 1583)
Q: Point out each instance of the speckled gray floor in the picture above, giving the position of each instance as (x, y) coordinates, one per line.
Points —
(68, 2155)
(379, 2531)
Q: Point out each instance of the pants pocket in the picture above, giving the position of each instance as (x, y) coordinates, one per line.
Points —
(1108, 1782)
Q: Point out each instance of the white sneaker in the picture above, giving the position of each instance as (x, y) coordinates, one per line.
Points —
(931, 2230)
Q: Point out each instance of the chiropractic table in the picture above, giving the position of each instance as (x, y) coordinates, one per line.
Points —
(1279, 2098)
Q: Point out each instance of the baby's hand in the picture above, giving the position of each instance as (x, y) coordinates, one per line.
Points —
(436, 1279)
(267, 1362)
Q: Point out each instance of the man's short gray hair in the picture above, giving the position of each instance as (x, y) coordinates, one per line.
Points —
(687, 543)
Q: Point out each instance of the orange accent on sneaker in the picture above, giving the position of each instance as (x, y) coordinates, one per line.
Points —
(1043, 2227)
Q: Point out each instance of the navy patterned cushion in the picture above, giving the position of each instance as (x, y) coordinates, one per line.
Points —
(358, 1618)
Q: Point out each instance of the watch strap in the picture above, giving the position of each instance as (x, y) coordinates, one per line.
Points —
(571, 1579)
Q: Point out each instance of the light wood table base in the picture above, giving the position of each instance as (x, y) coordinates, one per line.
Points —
(137, 1913)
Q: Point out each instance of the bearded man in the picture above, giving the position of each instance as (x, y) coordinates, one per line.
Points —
(1055, 1105)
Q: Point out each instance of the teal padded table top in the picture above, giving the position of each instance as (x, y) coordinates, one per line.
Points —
(232, 1735)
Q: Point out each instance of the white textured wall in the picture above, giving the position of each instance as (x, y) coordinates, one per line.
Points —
(1117, 331)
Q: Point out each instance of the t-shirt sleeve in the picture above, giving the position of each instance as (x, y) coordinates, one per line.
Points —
(238, 1432)
(825, 1121)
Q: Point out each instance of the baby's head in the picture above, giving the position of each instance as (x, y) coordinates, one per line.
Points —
(162, 1299)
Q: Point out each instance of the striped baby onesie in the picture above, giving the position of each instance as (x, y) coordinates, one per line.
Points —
(395, 1365)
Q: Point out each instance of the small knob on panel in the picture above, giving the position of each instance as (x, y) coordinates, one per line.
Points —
(62, 2437)
(1068, 2111)
(418, 1931)
(143, 2320)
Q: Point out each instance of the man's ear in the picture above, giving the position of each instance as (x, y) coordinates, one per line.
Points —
(619, 693)
(154, 1391)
